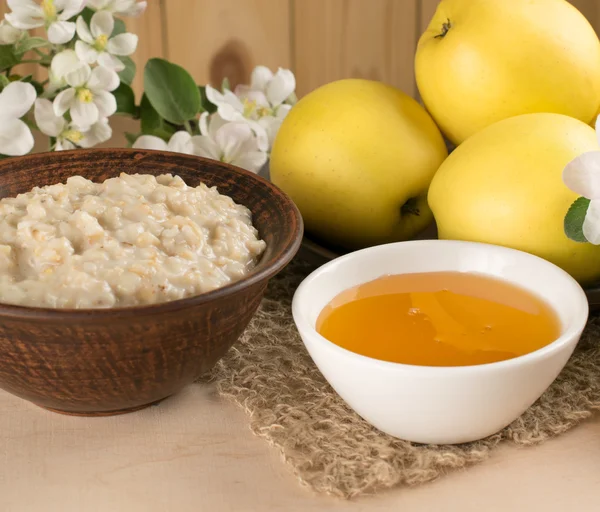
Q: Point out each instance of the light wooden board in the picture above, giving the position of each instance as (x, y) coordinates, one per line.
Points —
(214, 39)
(353, 38)
(152, 43)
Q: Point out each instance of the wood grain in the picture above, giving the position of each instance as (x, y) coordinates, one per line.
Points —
(426, 10)
(353, 38)
(152, 40)
(214, 39)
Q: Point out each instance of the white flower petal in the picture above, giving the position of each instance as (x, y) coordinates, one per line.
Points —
(64, 145)
(61, 32)
(230, 138)
(84, 114)
(64, 101)
(65, 62)
(8, 33)
(181, 142)
(85, 52)
(98, 4)
(108, 61)
(24, 20)
(260, 78)
(45, 118)
(203, 124)
(16, 99)
(206, 147)
(281, 87)
(83, 31)
(71, 8)
(15, 138)
(103, 79)
(582, 175)
(591, 223)
(97, 134)
(258, 98)
(79, 76)
(251, 161)
(150, 142)
(123, 44)
(106, 103)
(214, 96)
(129, 7)
(102, 24)
(15, 5)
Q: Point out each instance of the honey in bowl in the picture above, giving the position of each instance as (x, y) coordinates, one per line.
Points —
(439, 319)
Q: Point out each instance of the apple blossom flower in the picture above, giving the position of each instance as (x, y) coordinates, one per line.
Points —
(97, 45)
(232, 142)
(51, 14)
(9, 34)
(263, 104)
(89, 96)
(68, 135)
(582, 176)
(15, 101)
(180, 142)
(119, 7)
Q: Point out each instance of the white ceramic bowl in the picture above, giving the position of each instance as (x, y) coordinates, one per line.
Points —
(438, 405)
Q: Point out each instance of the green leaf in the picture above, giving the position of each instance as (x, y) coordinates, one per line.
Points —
(7, 57)
(4, 81)
(131, 138)
(125, 100)
(225, 85)
(574, 219)
(128, 74)
(206, 105)
(171, 90)
(120, 27)
(30, 43)
(152, 123)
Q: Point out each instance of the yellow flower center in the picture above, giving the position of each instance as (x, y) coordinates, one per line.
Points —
(49, 10)
(74, 136)
(101, 42)
(253, 111)
(85, 95)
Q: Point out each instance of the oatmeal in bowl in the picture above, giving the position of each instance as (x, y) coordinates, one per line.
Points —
(126, 274)
(127, 241)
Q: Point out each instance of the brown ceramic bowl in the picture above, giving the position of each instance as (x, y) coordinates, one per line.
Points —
(111, 361)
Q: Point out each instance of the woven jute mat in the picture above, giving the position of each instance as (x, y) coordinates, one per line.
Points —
(334, 451)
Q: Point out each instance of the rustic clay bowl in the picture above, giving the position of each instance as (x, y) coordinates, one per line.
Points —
(111, 361)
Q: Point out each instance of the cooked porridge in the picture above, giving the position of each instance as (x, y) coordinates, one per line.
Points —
(135, 239)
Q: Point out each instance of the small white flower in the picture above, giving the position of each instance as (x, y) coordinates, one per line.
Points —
(15, 101)
(119, 7)
(276, 88)
(9, 34)
(582, 176)
(64, 63)
(230, 142)
(51, 14)
(180, 142)
(88, 98)
(68, 135)
(96, 45)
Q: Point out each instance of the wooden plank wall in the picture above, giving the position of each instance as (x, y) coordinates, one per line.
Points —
(321, 40)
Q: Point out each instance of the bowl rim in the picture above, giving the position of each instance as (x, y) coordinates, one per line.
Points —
(280, 259)
(572, 331)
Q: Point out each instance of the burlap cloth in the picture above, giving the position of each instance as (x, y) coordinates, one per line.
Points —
(334, 451)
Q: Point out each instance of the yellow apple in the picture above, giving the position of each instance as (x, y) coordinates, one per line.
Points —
(504, 186)
(357, 157)
(481, 61)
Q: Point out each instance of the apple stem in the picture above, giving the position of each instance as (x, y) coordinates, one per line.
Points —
(445, 28)
(410, 207)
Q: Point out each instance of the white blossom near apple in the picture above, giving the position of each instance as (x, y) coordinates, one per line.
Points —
(97, 45)
(230, 142)
(52, 14)
(119, 7)
(180, 142)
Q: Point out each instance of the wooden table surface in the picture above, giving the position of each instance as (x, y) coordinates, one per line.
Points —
(194, 452)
